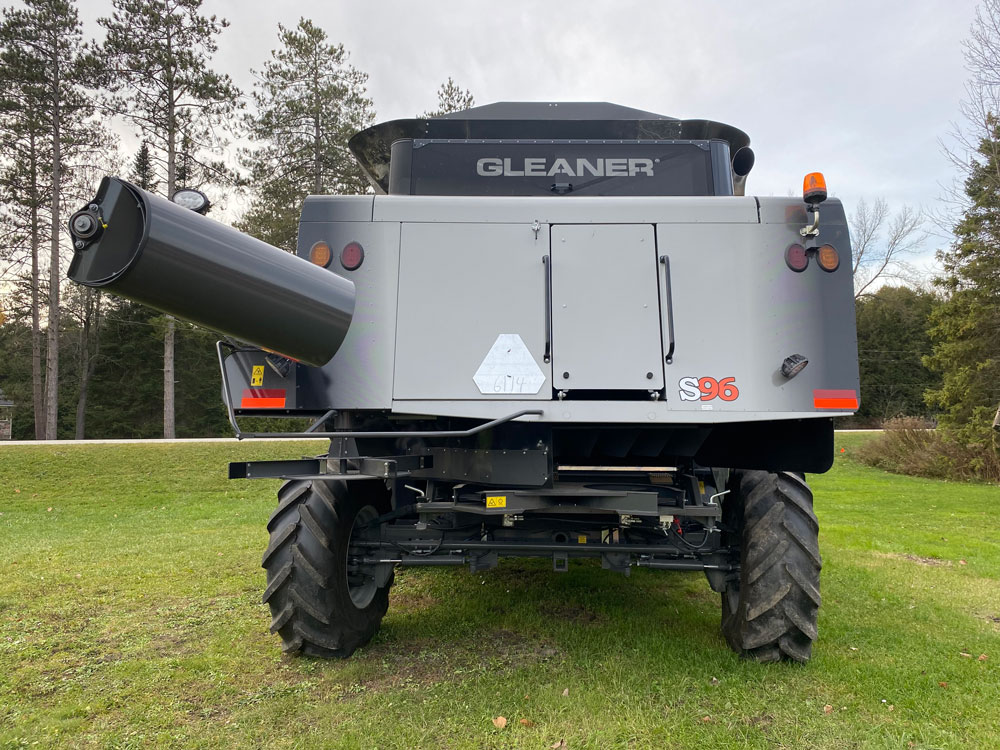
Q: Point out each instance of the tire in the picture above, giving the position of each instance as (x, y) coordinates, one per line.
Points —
(319, 605)
(769, 613)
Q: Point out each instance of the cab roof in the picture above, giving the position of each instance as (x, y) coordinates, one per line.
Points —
(533, 121)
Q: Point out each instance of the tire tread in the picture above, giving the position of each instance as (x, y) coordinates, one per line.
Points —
(306, 591)
(771, 614)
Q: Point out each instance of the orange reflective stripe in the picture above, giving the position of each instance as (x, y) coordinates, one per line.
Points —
(263, 398)
(835, 399)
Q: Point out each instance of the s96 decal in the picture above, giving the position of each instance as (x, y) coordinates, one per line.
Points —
(708, 389)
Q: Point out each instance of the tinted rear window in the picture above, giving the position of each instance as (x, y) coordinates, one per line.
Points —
(436, 167)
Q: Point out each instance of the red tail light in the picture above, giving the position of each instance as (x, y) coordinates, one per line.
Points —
(352, 256)
(796, 258)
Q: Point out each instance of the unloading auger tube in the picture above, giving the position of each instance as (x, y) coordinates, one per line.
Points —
(143, 247)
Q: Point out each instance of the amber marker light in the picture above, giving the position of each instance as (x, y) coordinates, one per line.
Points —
(828, 258)
(320, 254)
(814, 188)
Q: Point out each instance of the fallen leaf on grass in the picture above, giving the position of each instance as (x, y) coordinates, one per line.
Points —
(48, 510)
(943, 684)
(17, 491)
(706, 719)
(828, 709)
(526, 722)
(560, 745)
(962, 562)
(500, 722)
(966, 654)
(983, 657)
(566, 693)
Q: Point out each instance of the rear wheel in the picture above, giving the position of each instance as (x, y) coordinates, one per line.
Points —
(769, 613)
(323, 600)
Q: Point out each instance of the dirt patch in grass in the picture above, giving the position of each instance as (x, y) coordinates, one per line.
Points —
(419, 663)
(175, 645)
(423, 663)
(933, 562)
(411, 601)
(575, 613)
(514, 650)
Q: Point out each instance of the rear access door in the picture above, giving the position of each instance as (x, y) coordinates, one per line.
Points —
(606, 319)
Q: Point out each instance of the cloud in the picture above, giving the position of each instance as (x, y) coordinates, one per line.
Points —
(859, 90)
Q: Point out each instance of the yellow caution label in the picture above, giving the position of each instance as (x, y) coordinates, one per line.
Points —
(496, 501)
(701, 487)
(582, 539)
(257, 377)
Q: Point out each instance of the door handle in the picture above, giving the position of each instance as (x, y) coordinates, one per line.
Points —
(669, 300)
(547, 262)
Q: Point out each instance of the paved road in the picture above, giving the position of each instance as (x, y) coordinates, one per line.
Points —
(193, 440)
(150, 441)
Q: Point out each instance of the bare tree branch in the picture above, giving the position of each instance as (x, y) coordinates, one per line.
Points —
(881, 243)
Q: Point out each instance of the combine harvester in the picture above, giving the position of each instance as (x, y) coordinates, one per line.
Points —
(556, 330)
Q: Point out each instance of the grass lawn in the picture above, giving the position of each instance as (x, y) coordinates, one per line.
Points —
(130, 617)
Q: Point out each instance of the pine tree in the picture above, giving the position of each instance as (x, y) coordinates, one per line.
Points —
(966, 327)
(24, 193)
(308, 102)
(143, 172)
(43, 116)
(160, 52)
(451, 98)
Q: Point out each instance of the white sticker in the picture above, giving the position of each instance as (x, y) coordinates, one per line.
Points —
(509, 368)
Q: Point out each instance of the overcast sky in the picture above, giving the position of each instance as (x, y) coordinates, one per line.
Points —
(862, 91)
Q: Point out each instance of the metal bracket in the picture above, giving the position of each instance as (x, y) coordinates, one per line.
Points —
(394, 466)
(811, 230)
(330, 467)
(486, 561)
(619, 562)
(527, 467)
(274, 469)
